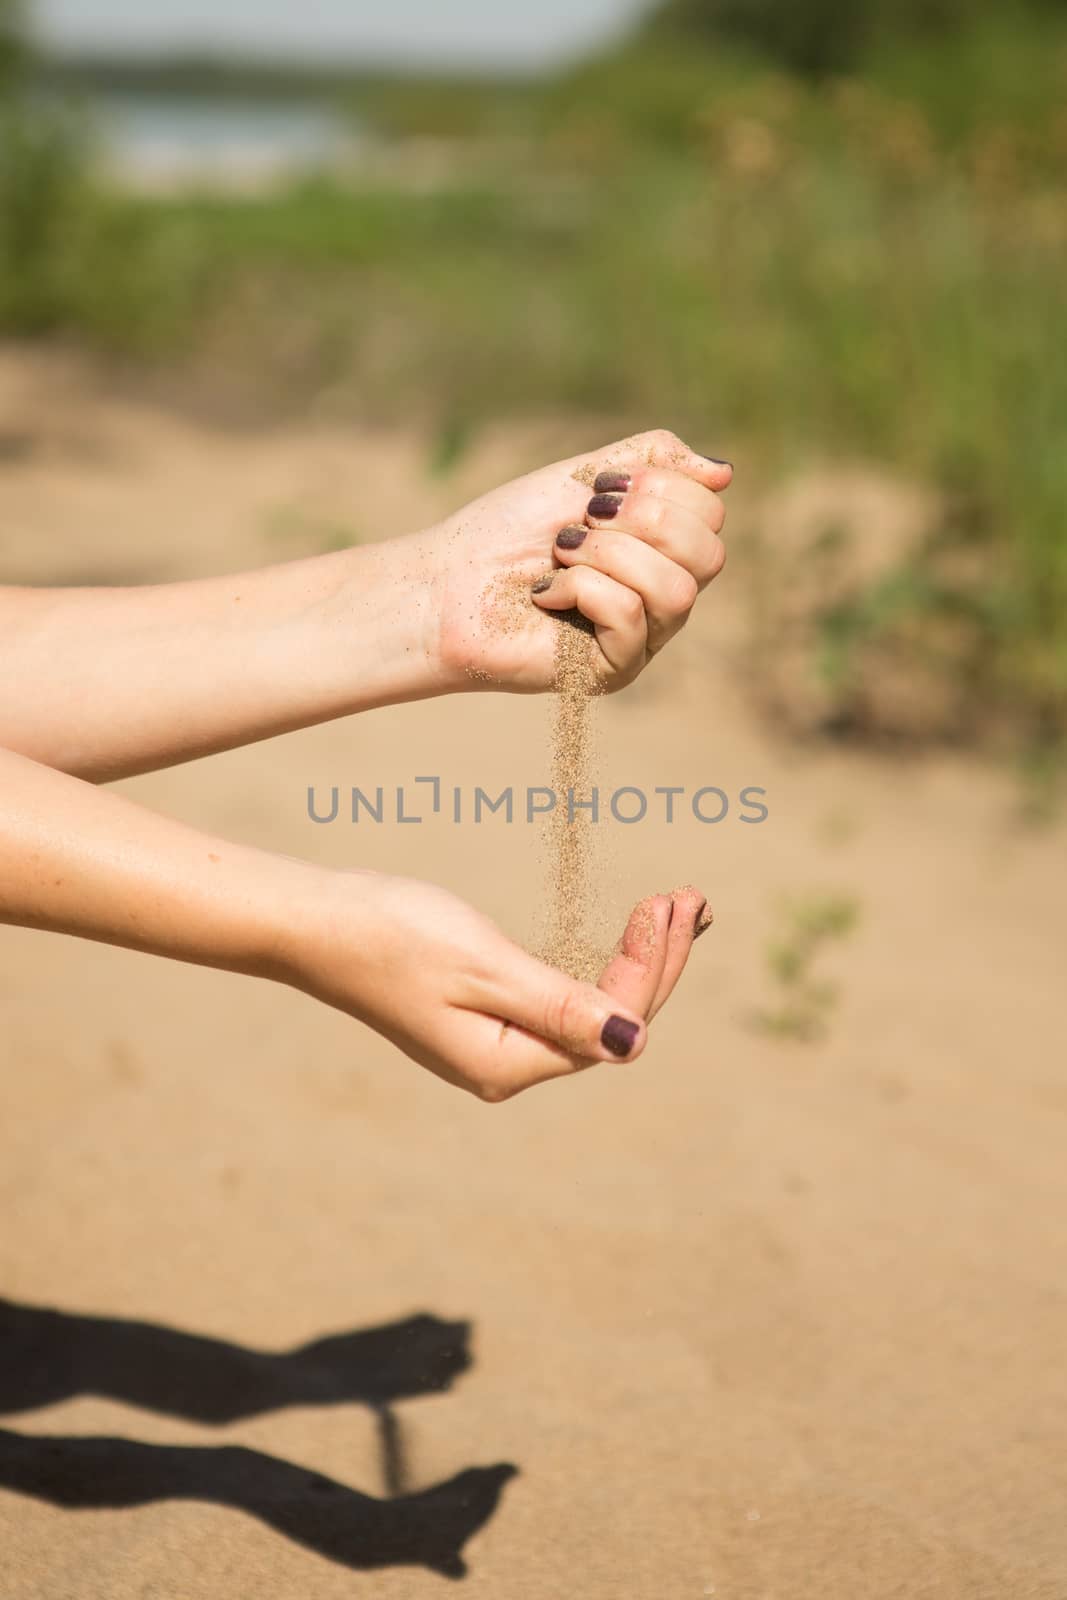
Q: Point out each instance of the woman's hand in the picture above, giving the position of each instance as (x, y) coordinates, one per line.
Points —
(627, 535)
(415, 963)
(450, 990)
(118, 681)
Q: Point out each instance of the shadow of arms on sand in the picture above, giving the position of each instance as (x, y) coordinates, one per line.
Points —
(427, 1529)
(47, 1356)
(50, 1356)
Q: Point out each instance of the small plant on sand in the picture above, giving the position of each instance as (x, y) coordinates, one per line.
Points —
(803, 1001)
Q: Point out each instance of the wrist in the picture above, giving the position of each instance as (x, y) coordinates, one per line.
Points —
(315, 916)
(246, 914)
(378, 625)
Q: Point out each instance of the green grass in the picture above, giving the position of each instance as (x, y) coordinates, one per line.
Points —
(871, 268)
(803, 1000)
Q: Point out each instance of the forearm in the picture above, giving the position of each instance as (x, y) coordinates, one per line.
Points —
(106, 683)
(79, 860)
(424, 970)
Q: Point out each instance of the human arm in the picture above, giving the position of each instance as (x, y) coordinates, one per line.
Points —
(106, 683)
(412, 962)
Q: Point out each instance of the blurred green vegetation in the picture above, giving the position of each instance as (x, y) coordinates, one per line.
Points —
(827, 36)
(792, 232)
(803, 1000)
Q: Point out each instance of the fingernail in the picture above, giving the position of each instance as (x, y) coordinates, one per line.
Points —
(604, 506)
(618, 1035)
(570, 538)
(605, 482)
(716, 461)
(704, 920)
(543, 583)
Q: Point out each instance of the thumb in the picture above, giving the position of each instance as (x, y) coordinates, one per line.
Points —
(553, 1024)
(576, 1017)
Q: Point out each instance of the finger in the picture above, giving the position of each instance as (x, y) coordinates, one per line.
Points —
(617, 613)
(688, 908)
(533, 1023)
(667, 590)
(579, 1018)
(673, 530)
(672, 487)
(658, 448)
(634, 974)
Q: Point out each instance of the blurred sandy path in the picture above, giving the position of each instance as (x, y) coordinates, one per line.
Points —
(753, 1318)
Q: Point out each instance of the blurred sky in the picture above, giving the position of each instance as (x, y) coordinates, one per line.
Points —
(421, 32)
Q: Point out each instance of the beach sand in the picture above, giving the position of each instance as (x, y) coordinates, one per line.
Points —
(752, 1318)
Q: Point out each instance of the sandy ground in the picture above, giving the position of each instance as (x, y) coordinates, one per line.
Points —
(753, 1319)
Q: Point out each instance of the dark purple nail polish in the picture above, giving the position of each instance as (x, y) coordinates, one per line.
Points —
(618, 1035)
(612, 482)
(571, 538)
(604, 506)
(704, 920)
(543, 583)
(717, 461)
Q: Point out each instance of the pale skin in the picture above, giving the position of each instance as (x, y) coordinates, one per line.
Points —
(106, 683)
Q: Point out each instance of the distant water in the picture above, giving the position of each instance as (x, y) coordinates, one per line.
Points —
(168, 138)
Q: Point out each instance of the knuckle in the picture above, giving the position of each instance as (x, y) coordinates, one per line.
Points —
(655, 442)
(665, 438)
(654, 514)
(716, 558)
(552, 1011)
(565, 1016)
(683, 593)
(585, 587)
(717, 517)
(631, 607)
